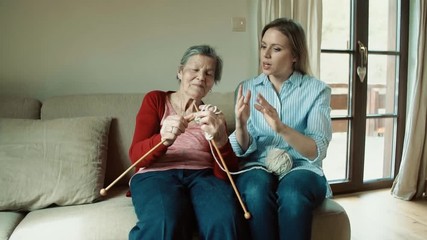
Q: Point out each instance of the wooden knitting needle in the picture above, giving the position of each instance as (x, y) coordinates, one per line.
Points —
(103, 191)
(236, 191)
(247, 214)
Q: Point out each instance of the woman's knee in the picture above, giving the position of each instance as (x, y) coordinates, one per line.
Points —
(162, 228)
(258, 188)
(256, 181)
(301, 189)
(156, 201)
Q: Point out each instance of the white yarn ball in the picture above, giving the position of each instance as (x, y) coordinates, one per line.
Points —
(278, 161)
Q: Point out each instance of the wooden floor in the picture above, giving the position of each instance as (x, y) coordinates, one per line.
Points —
(377, 215)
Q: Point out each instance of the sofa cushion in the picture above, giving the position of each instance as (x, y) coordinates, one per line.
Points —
(19, 107)
(111, 219)
(9, 220)
(44, 162)
(122, 108)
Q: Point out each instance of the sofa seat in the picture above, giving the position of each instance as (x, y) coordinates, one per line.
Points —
(113, 217)
(9, 221)
(110, 218)
(330, 222)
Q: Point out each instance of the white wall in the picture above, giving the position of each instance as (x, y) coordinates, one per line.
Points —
(58, 47)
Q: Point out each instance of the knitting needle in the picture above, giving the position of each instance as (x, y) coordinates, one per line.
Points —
(103, 191)
(246, 213)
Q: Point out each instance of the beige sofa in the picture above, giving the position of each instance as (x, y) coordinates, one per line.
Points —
(71, 208)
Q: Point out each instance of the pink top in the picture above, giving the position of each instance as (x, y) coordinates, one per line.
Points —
(191, 141)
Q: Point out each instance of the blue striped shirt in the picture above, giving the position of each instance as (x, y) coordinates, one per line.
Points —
(302, 104)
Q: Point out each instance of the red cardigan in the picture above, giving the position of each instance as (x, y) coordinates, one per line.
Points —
(147, 135)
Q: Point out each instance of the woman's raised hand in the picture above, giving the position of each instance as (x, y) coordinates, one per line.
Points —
(242, 109)
(269, 113)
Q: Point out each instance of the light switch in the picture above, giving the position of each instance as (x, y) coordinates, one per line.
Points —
(239, 24)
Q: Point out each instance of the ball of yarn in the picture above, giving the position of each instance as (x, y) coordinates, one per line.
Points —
(278, 161)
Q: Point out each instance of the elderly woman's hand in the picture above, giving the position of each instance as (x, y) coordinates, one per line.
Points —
(212, 122)
(172, 127)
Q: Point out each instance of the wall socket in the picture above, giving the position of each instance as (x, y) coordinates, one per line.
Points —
(238, 24)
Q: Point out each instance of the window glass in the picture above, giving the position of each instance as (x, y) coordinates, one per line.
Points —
(379, 148)
(336, 24)
(335, 72)
(335, 163)
(383, 28)
(381, 89)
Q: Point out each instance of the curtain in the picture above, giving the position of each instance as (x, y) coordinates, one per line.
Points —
(410, 182)
(307, 12)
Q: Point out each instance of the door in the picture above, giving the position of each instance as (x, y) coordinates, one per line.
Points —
(363, 59)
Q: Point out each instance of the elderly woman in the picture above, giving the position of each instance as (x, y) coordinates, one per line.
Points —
(179, 185)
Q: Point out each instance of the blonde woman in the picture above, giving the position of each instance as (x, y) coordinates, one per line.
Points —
(282, 115)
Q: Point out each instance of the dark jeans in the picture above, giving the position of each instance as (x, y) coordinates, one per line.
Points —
(170, 203)
(281, 209)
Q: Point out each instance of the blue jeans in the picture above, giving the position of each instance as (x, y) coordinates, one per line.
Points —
(281, 209)
(170, 203)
